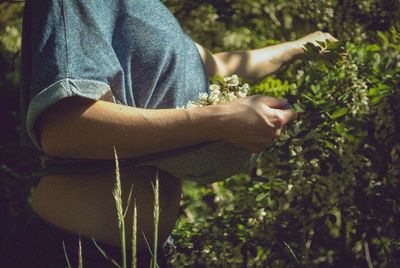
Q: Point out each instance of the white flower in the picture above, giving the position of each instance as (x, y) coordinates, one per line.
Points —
(191, 104)
(214, 87)
(241, 94)
(245, 88)
(231, 96)
(228, 90)
(214, 97)
(203, 96)
(232, 81)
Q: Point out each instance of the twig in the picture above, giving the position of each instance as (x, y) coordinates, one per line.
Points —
(272, 16)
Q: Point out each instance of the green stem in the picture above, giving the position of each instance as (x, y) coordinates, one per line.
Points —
(134, 236)
(123, 244)
(156, 214)
(117, 193)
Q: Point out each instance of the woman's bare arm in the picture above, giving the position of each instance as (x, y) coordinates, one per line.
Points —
(80, 128)
(254, 65)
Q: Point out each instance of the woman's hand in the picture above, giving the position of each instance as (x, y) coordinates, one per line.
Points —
(254, 122)
(313, 38)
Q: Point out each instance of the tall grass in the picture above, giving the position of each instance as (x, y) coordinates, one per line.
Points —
(156, 215)
(80, 261)
(117, 193)
(121, 214)
(134, 236)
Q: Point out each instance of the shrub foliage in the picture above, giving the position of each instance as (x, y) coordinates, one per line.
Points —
(326, 194)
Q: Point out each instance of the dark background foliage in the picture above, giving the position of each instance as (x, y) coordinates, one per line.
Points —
(327, 193)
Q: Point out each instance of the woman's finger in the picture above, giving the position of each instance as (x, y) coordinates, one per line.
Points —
(329, 37)
(283, 117)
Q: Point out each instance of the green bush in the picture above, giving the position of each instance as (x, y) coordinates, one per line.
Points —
(327, 192)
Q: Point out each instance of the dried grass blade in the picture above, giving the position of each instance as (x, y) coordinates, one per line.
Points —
(134, 236)
(105, 254)
(80, 264)
(117, 193)
(66, 256)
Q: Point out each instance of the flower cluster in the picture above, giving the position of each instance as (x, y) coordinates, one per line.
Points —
(356, 91)
(227, 90)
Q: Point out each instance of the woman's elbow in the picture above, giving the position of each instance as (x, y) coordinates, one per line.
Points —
(52, 140)
(58, 127)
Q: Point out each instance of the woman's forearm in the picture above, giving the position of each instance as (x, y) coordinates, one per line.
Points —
(254, 65)
(81, 128)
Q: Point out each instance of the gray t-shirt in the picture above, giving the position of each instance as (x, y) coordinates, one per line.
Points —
(129, 52)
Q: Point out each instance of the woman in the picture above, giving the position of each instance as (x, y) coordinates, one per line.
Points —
(105, 74)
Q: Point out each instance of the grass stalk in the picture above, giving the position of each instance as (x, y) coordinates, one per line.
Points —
(156, 215)
(80, 264)
(116, 264)
(134, 236)
(66, 256)
(117, 193)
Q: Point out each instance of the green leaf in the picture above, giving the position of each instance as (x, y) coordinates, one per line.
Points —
(321, 65)
(372, 91)
(383, 87)
(373, 47)
(383, 37)
(329, 144)
(377, 99)
(272, 203)
(261, 197)
(376, 60)
(298, 107)
(340, 129)
(334, 46)
(315, 88)
(339, 113)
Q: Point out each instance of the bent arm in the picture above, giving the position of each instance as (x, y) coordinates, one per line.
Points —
(82, 128)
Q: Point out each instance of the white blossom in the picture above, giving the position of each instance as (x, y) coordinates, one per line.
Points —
(232, 81)
(231, 96)
(245, 88)
(214, 97)
(241, 94)
(191, 104)
(203, 96)
(214, 87)
(229, 90)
